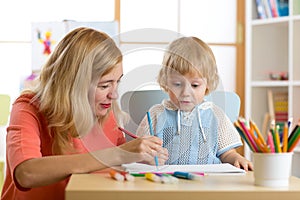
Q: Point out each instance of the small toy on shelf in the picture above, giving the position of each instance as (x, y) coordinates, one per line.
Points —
(279, 76)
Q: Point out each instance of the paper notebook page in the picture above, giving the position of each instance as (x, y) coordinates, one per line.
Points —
(210, 168)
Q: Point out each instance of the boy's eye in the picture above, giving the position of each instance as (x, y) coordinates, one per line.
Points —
(177, 84)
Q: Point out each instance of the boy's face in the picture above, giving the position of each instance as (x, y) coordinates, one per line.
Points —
(186, 91)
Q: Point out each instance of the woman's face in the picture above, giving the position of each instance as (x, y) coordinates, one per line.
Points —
(107, 90)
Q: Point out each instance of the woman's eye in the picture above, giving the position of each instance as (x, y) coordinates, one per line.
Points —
(103, 86)
(195, 85)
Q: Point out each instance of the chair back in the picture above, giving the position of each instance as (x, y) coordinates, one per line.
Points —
(137, 103)
(228, 101)
(4, 115)
(4, 109)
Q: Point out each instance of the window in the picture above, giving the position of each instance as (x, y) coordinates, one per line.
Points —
(154, 22)
(16, 17)
(146, 27)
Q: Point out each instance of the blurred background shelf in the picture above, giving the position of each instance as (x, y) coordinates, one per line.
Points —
(272, 46)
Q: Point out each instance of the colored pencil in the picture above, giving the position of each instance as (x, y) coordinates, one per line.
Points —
(127, 176)
(290, 121)
(271, 142)
(116, 175)
(128, 132)
(263, 147)
(277, 138)
(242, 134)
(293, 131)
(285, 138)
(256, 140)
(259, 135)
(152, 133)
(272, 130)
(292, 143)
(248, 135)
(152, 177)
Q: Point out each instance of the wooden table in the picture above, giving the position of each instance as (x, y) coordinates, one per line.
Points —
(219, 187)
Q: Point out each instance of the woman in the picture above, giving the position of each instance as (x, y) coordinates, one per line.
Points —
(54, 127)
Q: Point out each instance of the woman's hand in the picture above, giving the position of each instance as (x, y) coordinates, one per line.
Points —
(143, 149)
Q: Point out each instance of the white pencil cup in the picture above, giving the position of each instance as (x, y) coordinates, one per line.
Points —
(272, 169)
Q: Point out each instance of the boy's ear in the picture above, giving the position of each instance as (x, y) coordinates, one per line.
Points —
(165, 88)
(206, 91)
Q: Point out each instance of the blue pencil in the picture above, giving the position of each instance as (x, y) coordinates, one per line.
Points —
(152, 133)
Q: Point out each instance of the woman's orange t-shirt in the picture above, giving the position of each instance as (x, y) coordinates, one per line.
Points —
(27, 138)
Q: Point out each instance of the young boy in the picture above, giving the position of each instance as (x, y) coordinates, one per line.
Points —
(193, 130)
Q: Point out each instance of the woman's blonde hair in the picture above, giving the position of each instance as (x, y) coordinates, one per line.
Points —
(190, 55)
(68, 81)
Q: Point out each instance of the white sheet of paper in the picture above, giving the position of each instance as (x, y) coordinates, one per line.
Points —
(209, 168)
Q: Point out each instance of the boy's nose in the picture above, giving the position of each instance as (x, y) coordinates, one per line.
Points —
(186, 90)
